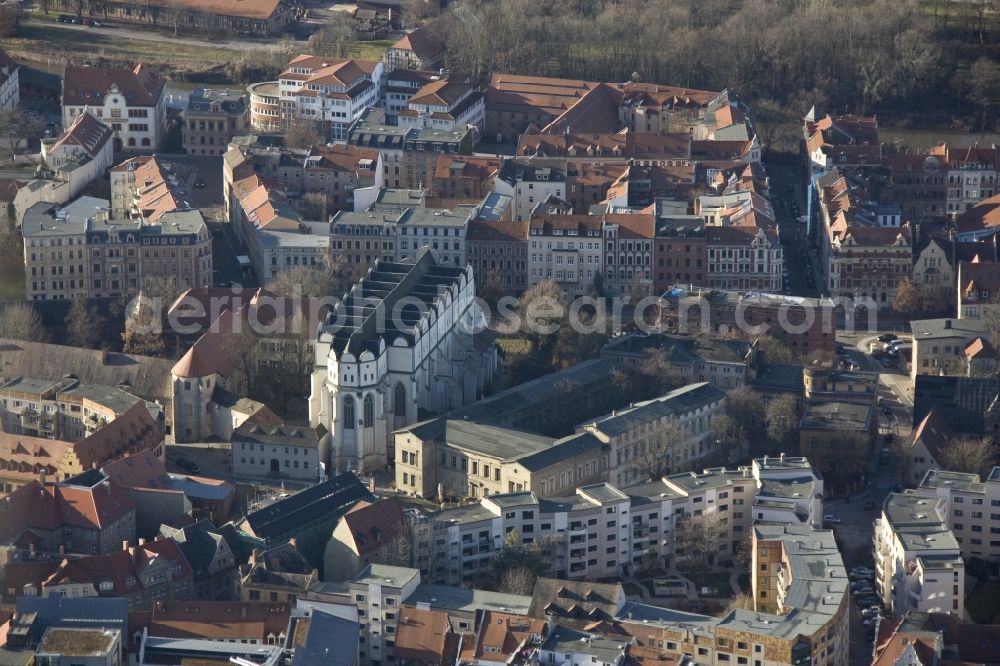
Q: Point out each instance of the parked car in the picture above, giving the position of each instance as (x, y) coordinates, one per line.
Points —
(869, 505)
(65, 18)
(831, 519)
(887, 337)
(199, 183)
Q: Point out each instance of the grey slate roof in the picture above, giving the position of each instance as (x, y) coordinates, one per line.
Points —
(673, 404)
(330, 641)
(335, 495)
(447, 597)
(58, 610)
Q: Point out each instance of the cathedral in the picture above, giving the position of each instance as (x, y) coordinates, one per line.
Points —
(405, 343)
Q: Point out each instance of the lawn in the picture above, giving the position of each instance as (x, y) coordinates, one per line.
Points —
(982, 603)
(714, 581)
(11, 275)
(46, 40)
(632, 590)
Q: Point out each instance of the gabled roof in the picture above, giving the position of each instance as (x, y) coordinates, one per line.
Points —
(87, 132)
(84, 85)
(984, 215)
(219, 620)
(572, 600)
(373, 525)
(425, 636)
(421, 43)
(119, 568)
(500, 635)
(336, 494)
(934, 433)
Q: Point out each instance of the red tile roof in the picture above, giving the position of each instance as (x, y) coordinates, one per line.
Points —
(219, 620)
(374, 524)
(984, 215)
(502, 634)
(87, 132)
(421, 43)
(118, 567)
(425, 636)
(83, 85)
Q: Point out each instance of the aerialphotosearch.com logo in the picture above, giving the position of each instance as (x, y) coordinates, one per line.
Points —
(266, 315)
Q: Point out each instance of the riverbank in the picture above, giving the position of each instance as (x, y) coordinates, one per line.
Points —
(189, 59)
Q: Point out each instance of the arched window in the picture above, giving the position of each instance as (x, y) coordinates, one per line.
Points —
(369, 411)
(349, 413)
(399, 400)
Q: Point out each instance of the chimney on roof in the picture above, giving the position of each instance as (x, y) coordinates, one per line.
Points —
(124, 544)
(41, 477)
(293, 542)
(142, 541)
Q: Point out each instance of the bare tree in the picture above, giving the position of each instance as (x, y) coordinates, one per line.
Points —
(15, 128)
(20, 321)
(971, 455)
(782, 418)
(907, 298)
(731, 437)
(335, 38)
(302, 133)
(143, 333)
(314, 206)
(518, 580)
(399, 551)
(83, 324)
(331, 277)
(746, 407)
(655, 458)
(697, 540)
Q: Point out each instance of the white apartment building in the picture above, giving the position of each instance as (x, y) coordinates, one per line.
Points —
(918, 561)
(973, 509)
(566, 248)
(445, 105)
(281, 250)
(569, 647)
(529, 182)
(939, 345)
(442, 230)
(130, 101)
(607, 531)
(81, 154)
(378, 593)
(284, 451)
(330, 92)
(682, 416)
